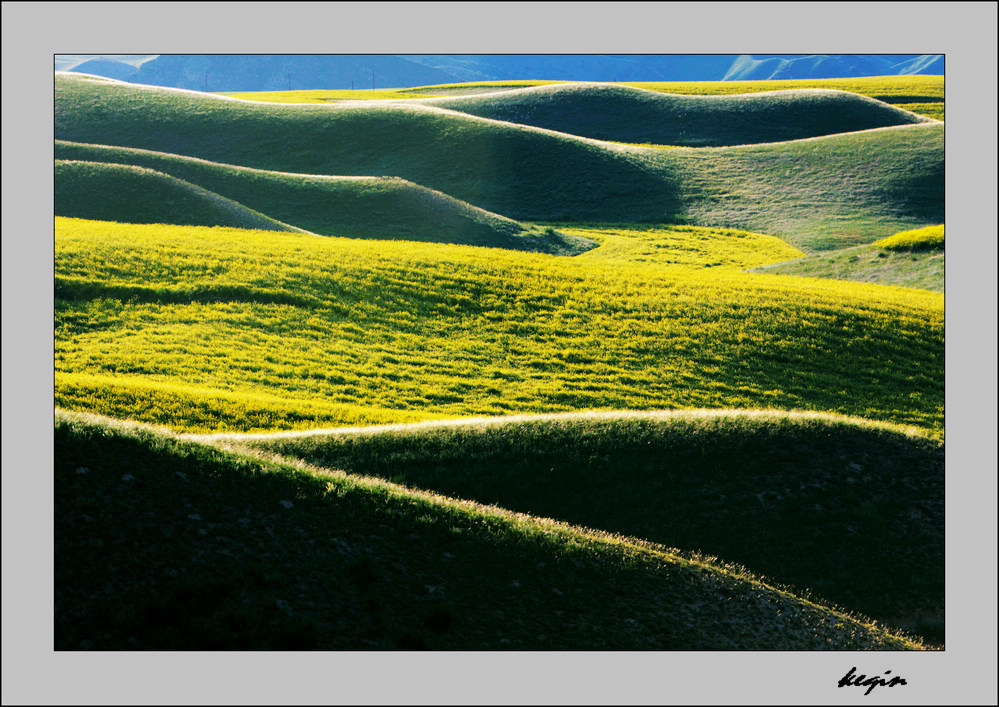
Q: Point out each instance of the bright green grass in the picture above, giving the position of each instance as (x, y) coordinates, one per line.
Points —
(454, 331)
(168, 545)
(771, 491)
(131, 194)
(819, 194)
(319, 95)
(683, 246)
(929, 238)
(356, 207)
(870, 263)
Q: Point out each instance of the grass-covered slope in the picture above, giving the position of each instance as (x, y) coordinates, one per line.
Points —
(849, 510)
(452, 330)
(131, 194)
(634, 115)
(824, 190)
(924, 269)
(167, 545)
(819, 193)
(356, 207)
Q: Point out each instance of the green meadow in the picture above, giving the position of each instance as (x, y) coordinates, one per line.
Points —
(455, 368)
(466, 331)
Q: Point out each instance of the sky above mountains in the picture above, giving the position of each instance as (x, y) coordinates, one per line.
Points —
(259, 72)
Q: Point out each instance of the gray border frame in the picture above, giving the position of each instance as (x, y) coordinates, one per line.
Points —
(34, 32)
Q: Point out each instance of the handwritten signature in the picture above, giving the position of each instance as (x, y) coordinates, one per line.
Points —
(851, 679)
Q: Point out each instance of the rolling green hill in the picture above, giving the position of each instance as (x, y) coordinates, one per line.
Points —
(356, 207)
(131, 194)
(817, 193)
(634, 115)
(162, 544)
(771, 491)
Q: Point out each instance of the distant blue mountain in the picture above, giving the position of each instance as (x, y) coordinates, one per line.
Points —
(831, 66)
(258, 72)
(106, 66)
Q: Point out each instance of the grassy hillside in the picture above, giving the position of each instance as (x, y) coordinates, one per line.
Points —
(771, 491)
(453, 330)
(355, 207)
(817, 193)
(634, 115)
(170, 545)
(130, 194)
(821, 193)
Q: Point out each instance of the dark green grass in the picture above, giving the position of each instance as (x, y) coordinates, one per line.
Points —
(131, 194)
(820, 193)
(869, 263)
(853, 513)
(162, 545)
(626, 114)
(374, 208)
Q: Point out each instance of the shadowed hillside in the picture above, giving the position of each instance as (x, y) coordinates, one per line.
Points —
(168, 545)
(626, 114)
(771, 491)
(131, 194)
(357, 207)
